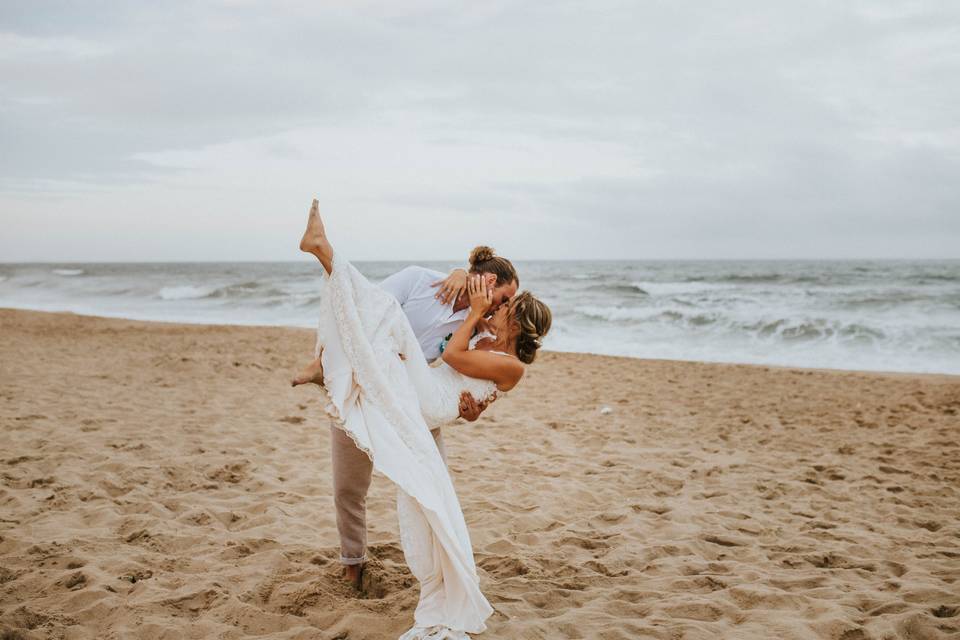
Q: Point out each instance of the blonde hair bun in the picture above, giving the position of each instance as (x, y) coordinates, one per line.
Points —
(481, 254)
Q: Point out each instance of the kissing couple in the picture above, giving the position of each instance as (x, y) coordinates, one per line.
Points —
(374, 346)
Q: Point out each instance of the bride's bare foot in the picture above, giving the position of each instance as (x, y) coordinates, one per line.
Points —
(314, 239)
(313, 372)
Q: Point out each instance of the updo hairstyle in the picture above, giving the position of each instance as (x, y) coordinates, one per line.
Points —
(484, 260)
(534, 318)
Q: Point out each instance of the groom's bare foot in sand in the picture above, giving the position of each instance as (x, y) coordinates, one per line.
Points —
(353, 574)
(314, 239)
(313, 372)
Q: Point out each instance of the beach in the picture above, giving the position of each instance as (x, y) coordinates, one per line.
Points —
(164, 481)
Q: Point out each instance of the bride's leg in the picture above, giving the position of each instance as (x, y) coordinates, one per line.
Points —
(314, 239)
(313, 372)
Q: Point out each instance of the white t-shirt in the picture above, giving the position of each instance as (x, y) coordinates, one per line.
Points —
(433, 322)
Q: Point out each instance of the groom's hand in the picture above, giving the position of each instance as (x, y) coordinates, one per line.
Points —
(451, 287)
(470, 409)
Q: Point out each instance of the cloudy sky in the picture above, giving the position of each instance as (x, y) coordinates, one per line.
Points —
(645, 129)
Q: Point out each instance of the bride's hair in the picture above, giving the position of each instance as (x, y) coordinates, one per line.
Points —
(484, 260)
(534, 319)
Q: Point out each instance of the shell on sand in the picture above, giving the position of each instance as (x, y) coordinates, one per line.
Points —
(164, 481)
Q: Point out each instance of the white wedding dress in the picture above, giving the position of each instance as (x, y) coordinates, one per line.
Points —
(387, 405)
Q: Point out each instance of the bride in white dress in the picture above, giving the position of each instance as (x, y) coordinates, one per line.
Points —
(382, 393)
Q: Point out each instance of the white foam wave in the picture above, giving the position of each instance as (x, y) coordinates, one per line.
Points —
(185, 292)
(616, 314)
(68, 272)
(680, 288)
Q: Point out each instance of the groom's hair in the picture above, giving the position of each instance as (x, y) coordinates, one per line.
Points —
(484, 260)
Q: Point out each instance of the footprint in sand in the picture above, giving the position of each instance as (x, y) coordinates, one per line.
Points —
(75, 581)
(724, 541)
(584, 542)
(232, 473)
(377, 583)
(658, 509)
(193, 604)
(695, 611)
(504, 567)
(24, 618)
(606, 570)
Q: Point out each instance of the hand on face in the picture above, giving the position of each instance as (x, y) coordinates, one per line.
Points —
(481, 296)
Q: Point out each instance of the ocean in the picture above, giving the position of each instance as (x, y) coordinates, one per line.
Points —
(870, 315)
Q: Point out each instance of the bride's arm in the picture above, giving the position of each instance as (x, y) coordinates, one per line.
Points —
(450, 289)
(505, 372)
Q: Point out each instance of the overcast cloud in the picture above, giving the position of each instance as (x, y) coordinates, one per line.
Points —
(756, 129)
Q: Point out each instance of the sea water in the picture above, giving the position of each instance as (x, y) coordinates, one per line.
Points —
(874, 315)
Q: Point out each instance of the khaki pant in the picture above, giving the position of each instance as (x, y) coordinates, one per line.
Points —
(352, 472)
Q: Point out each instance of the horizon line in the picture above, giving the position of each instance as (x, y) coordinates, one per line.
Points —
(267, 261)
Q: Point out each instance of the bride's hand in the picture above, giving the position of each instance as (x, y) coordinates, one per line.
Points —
(451, 287)
(480, 296)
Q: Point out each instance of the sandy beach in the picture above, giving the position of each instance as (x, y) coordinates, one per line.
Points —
(164, 481)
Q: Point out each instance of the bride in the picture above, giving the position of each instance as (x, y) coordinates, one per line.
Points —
(383, 394)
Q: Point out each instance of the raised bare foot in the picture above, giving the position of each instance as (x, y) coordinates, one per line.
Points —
(313, 372)
(353, 573)
(314, 237)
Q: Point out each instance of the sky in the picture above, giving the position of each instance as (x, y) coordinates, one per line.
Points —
(564, 130)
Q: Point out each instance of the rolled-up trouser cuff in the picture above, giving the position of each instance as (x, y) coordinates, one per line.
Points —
(349, 561)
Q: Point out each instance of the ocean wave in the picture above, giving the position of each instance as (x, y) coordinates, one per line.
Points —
(249, 290)
(68, 272)
(762, 278)
(249, 285)
(645, 315)
(788, 330)
(615, 314)
(923, 278)
(186, 292)
(628, 289)
(246, 290)
(814, 329)
(885, 299)
(681, 288)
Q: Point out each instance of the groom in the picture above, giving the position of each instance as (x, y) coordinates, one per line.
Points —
(433, 318)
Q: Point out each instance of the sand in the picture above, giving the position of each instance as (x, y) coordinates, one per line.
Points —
(164, 481)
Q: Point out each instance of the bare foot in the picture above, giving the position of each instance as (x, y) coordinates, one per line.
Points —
(314, 238)
(313, 372)
(353, 573)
